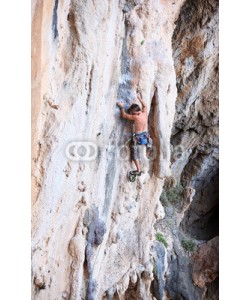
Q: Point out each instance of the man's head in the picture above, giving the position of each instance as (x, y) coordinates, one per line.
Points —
(134, 108)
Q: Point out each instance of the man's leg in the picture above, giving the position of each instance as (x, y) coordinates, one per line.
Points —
(135, 156)
(137, 164)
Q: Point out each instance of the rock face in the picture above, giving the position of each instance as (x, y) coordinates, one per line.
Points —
(93, 234)
(192, 215)
(195, 133)
(205, 266)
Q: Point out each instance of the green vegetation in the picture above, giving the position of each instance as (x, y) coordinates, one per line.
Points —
(142, 42)
(172, 195)
(160, 237)
(188, 245)
(154, 267)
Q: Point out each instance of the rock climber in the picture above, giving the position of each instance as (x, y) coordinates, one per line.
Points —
(140, 135)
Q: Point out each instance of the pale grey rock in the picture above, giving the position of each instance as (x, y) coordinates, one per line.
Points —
(91, 228)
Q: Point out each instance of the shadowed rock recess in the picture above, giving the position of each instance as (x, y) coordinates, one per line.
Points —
(95, 235)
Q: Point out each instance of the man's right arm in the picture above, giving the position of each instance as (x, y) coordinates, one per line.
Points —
(144, 106)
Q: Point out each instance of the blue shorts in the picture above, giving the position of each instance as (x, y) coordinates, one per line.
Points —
(139, 139)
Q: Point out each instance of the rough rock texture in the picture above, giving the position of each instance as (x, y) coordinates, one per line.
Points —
(195, 133)
(91, 229)
(93, 233)
(193, 216)
(205, 266)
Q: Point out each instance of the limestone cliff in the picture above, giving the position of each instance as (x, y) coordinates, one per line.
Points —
(191, 199)
(93, 234)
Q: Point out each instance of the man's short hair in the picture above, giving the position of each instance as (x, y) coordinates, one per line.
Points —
(134, 108)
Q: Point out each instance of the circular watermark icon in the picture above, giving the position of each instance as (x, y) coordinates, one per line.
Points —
(81, 151)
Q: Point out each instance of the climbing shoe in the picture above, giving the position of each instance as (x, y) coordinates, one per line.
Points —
(136, 173)
(132, 175)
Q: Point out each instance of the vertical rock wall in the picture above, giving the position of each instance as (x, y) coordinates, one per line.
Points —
(92, 230)
(196, 126)
(190, 225)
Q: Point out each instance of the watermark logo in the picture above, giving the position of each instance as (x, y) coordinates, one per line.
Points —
(81, 151)
(88, 151)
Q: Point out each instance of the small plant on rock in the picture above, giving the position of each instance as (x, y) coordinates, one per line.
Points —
(188, 245)
(160, 237)
(172, 195)
(154, 267)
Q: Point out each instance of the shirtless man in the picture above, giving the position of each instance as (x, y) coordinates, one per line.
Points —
(140, 137)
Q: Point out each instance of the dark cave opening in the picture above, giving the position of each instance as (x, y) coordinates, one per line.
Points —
(201, 220)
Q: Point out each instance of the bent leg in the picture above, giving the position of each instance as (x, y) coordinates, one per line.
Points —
(137, 164)
(135, 156)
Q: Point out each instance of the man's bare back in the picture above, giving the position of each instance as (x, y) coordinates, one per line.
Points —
(141, 122)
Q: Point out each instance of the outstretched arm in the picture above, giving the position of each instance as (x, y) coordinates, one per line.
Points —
(144, 106)
(123, 113)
